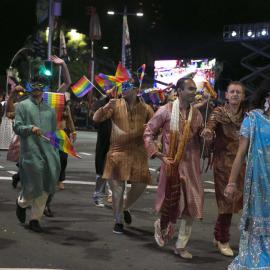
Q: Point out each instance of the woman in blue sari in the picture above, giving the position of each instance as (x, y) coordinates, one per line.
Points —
(254, 247)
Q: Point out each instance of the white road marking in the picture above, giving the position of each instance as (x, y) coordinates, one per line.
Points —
(209, 182)
(79, 182)
(152, 169)
(12, 172)
(1, 167)
(28, 269)
(209, 190)
(86, 154)
(5, 178)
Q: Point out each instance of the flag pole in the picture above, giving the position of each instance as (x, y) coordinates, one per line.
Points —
(51, 22)
(92, 61)
(123, 56)
(60, 67)
(97, 89)
(44, 137)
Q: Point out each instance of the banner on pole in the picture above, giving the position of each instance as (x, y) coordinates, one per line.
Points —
(126, 47)
(94, 25)
(42, 10)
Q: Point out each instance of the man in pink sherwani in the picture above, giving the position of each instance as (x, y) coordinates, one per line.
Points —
(180, 194)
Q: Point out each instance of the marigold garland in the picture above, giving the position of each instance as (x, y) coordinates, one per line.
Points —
(182, 141)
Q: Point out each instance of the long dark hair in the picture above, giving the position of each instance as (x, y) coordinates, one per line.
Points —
(258, 97)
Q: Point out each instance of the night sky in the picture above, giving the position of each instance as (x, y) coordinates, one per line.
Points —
(189, 29)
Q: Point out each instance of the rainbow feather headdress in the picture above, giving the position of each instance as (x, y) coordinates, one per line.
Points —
(109, 82)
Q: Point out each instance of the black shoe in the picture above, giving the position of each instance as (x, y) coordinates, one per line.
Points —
(20, 213)
(34, 226)
(118, 228)
(15, 180)
(127, 217)
(48, 212)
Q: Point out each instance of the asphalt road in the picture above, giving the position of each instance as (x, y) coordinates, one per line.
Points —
(80, 235)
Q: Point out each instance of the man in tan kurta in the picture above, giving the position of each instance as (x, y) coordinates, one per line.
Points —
(185, 199)
(127, 158)
(222, 130)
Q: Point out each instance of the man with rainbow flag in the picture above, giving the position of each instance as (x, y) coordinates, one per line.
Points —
(39, 160)
(126, 159)
(180, 190)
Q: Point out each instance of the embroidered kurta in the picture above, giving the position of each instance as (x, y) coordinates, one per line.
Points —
(191, 187)
(226, 127)
(39, 160)
(254, 247)
(127, 158)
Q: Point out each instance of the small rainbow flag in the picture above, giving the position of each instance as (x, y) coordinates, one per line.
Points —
(60, 140)
(122, 73)
(154, 96)
(57, 102)
(82, 87)
(104, 83)
(142, 73)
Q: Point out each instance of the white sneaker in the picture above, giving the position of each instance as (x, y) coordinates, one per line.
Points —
(225, 249)
(158, 236)
(99, 203)
(183, 253)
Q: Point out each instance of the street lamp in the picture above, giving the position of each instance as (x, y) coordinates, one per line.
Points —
(112, 12)
(11, 63)
(125, 35)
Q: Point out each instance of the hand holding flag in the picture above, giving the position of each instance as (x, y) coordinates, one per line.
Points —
(60, 140)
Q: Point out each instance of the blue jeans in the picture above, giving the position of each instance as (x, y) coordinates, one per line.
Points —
(100, 189)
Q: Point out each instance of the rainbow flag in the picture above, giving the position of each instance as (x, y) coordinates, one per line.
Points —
(122, 73)
(112, 78)
(142, 68)
(61, 141)
(103, 82)
(82, 87)
(107, 82)
(57, 102)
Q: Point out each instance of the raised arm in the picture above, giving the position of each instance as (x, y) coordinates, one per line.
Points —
(105, 112)
(67, 80)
